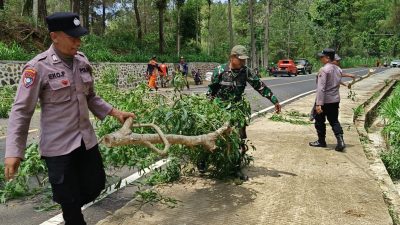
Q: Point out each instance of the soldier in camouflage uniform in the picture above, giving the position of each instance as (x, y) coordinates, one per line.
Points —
(229, 82)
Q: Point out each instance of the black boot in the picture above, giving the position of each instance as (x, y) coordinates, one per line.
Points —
(201, 166)
(318, 143)
(340, 143)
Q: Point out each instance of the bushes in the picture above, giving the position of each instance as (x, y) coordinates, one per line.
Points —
(7, 94)
(390, 110)
(14, 52)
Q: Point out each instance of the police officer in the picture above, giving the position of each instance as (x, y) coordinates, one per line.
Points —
(229, 82)
(327, 100)
(61, 79)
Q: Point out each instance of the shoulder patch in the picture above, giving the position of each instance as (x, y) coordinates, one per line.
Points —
(28, 77)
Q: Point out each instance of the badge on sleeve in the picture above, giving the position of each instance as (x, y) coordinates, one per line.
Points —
(29, 77)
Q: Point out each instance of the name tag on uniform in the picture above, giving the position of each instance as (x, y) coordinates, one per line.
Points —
(83, 70)
(56, 75)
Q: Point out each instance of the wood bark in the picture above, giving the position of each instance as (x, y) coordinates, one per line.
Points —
(161, 5)
(125, 136)
(103, 18)
(253, 59)
(28, 8)
(42, 11)
(86, 13)
(266, 32)
(230, 26)
(76, 6)
(138, 22)
(178, 32)
(208, 27)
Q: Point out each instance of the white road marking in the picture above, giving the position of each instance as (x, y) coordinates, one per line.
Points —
(58, 219)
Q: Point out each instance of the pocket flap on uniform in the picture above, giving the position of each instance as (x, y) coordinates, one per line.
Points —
(86, 77)
(58, 84)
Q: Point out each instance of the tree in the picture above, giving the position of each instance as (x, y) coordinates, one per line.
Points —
(268, 7)
(230, 26)
(103, 18)
(27, 8)
(161, 6)
(42, 11)
(75, 6)
(252, 35)
(209, 2)
(1, 4)
(86, 12)
(138, 22)
(179, 4)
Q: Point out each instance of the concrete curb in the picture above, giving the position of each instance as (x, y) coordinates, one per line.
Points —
(390, 194)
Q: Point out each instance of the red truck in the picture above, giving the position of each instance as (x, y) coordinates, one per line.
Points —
(285, 67)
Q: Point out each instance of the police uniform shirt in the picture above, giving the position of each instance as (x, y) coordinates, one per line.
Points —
(328, 83)
(66, 95)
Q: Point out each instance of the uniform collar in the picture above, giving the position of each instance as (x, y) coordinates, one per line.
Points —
(53, 55)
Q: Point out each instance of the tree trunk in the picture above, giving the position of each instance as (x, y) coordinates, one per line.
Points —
(253, 59)
(76, 6)
(42, 11)
(161, 28)
(138, 22)
(85, 13)
(145, 16)
(230, 26)
(28, 8)
(103, 19)
(208, 27)
(178, 32)
(1, 4)
(266, 32)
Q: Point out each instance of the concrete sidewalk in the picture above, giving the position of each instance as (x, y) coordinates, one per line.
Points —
(290, 182)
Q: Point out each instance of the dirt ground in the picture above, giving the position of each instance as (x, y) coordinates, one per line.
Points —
(290, 182)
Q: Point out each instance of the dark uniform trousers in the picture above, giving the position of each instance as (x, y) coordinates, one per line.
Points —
(331, 112)
(76, 179)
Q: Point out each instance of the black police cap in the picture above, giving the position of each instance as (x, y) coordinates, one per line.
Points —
(327, 52)
(67, 22)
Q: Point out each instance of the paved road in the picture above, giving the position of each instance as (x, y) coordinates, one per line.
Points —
(22, 213)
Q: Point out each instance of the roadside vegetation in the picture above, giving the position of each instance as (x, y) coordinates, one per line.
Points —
(132, 31)
(390, 111)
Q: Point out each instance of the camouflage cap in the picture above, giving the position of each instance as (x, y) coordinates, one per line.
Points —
(240, 51)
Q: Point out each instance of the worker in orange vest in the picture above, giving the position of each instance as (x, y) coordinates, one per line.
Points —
(164, 74)
(152, 72)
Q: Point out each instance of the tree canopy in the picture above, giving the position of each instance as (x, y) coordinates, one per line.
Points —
(133, 30)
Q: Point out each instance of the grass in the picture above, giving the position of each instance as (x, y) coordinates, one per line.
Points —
(358, 111)
(390, 111)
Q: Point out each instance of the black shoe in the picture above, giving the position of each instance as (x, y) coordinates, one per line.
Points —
(239, 174)
(201, 166)
(340, 143)
(317, 144)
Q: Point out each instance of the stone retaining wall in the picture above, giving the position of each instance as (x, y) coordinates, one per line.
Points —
(129, 74)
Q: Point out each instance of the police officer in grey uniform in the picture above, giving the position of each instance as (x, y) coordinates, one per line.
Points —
(61, 79)
(327, 100)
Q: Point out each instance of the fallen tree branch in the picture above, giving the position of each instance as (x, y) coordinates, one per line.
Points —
(125, 136)
(370, 72)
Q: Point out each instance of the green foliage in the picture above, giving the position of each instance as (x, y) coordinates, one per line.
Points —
(13, 52)
(7, 94)
(22, 185)
(152, 197)
(358, 111)
(297, 120)
(175, 114)
(390, 110)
